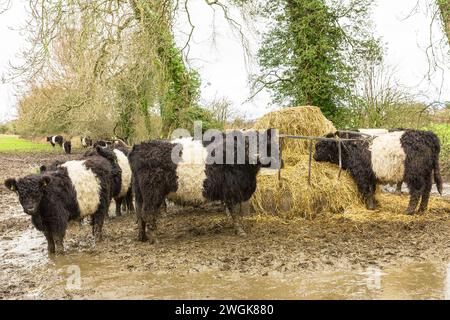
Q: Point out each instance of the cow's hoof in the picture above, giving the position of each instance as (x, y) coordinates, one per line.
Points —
(240, 232)
(153, 239)
(409, 212)
(142, 237)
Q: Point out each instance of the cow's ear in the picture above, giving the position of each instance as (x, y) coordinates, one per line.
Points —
(42, 169)
(331, 135)
(11, 184)
(45, 181)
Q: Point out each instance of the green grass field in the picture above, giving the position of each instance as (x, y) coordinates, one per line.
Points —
(11, 143)
(443, 132)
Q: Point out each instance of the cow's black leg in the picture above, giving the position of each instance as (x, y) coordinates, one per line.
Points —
(367, 184)
(413, 201)
(369, 196)
(149, 216)
(118, 206)
(371, 204)
(235, 211)
(50, 242)
(398, 189)
(129, 201)
(426, 195)
(97, 225)
(59, 243)
(416, 186)
(142, 236)
(148, 204)
(142, 232)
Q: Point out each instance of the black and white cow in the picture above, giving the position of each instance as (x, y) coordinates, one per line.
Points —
(411, 156)
(54, 140)
(102, 143)
(195, 178)
(67, 146)
(75, 190)
(86, 142)
(121, 187)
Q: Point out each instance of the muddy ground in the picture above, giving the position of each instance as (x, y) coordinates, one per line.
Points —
(198, 255)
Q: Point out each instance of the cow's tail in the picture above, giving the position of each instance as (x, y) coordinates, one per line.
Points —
(437, 175)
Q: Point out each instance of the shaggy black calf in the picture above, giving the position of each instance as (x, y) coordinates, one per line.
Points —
(86, 142)
(75, 190)
(411, 156)
(67, 146)
(54, 140)
(121, 187)
(195, 178)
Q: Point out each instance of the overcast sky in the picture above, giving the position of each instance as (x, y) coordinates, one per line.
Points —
(222, 65)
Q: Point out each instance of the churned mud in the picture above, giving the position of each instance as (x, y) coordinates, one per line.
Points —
(198, 256)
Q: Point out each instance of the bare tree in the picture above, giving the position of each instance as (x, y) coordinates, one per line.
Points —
(383, 102)
(115, 61)
(4, 5)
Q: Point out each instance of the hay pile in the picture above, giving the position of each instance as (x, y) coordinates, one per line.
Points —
(291, 196)
(306, 121)
(392, 208)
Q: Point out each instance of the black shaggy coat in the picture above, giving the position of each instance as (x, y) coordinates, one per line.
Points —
(51, 200)
(116, 176)
(421, 164)
(67, 146)
(156, 178)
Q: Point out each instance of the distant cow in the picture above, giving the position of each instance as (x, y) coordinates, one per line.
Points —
(121, 188)
(67, 146)
(102, 143)
(86, 142)
(75, 190)
(411, 156)
(194, 179)
(54, 140)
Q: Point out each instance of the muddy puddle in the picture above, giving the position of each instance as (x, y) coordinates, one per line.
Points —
(77, 277)
(91, 275)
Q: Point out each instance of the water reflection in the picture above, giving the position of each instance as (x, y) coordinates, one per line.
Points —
(414, 281)
(94, 276)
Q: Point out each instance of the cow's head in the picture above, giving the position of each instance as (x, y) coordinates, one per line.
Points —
(101, 143)
(106, 153)
(30, 190)
(52, 167)
(49, 139)
(327, 150)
